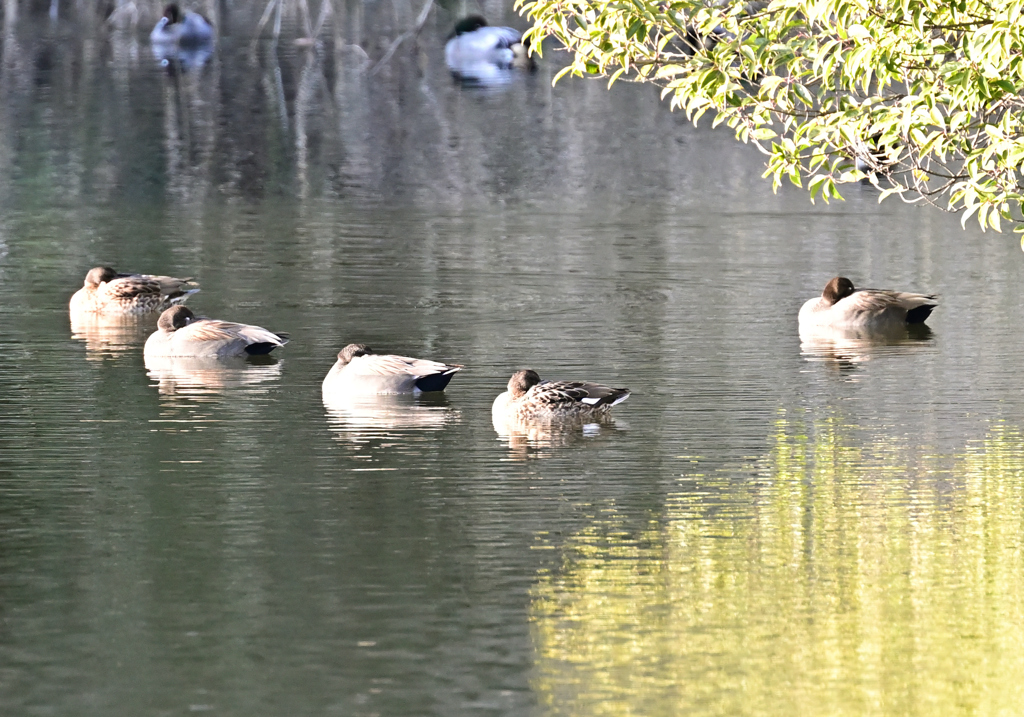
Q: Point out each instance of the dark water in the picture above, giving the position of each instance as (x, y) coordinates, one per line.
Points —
(765, 528)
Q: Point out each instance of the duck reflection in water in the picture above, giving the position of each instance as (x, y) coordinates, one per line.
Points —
(205, 376)
(110, 336)
(536, 439)
(846, 348)
(479, 55)
(358, 418)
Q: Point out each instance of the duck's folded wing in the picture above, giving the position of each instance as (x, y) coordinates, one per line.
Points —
(874, 304)
(505, 37)
(591, 394)
(910, 301)
(172, 286)
(131, 286)
(214, 330)
(391, 365)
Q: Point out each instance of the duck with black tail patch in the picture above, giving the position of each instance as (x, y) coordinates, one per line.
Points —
(361, 372)
(528, 399)
(181, 333)
(843, 307)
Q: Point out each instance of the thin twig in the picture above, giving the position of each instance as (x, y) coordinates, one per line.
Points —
(263, 22)
(420, 22)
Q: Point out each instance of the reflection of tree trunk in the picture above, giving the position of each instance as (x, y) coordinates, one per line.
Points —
(9, 92)
(273, 85)
(10, 18)
(303, 106)
(172, 136)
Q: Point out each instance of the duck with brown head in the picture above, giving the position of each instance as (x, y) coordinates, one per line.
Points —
(360, 371)
(528, 398)
(181, 333)
(105, 292)
(842, 306)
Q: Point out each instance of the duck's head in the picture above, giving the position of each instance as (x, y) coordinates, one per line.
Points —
(521, 57)
(98, 275)
(351, 351)
(470, 23)
(176, 317)
(522, 381)
(173, 13)
(838, 288)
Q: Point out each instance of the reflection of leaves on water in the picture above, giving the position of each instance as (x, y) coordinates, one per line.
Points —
(853, 555)
(538, 439)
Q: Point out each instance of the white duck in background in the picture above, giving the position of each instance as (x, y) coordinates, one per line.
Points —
(359, 371)
(842, 307)
(481, 54)
(184, 29)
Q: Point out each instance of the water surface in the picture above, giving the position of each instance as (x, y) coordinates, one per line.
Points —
(765, 528)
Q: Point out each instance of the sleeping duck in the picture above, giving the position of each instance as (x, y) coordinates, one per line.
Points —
(108, 293)
(841, 306)
(360, 372)
(530, 399)
(182, 333)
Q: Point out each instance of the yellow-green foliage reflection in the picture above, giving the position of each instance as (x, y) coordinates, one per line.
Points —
(837, 580)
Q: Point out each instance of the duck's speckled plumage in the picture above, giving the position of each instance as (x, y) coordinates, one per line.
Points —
(111, 294)
(841, 306)
(529, 398)
(182, 333)
(359, 371)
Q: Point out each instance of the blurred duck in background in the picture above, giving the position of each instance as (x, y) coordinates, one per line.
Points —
(182, 39)
(478, 54)
(182, 28)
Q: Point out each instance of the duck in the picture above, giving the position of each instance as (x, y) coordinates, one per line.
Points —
(843, 307)
(360, 371)
(474, 46)
(107, 293)
(181, 28)
(182, 333)
(528, 398)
